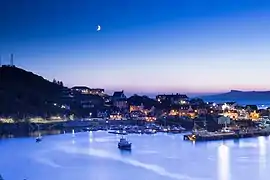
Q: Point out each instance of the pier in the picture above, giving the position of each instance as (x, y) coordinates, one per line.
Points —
(211, 136)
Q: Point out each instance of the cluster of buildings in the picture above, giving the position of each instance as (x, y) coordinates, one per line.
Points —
(97, 104)
(85, 102)
(236, 112)
(119, 107)
(180, 105)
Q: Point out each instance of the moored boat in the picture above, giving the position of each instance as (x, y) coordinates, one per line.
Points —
(150, 131)
(38, 139)
(118, 132)
(175, 130)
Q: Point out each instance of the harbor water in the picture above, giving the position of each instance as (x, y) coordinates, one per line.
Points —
(94, 155)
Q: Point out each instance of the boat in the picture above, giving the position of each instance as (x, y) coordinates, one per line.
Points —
(150, 131)
(138, 132)
(86, 129)
(182, 129)
(118, 132)
(175, 130)
(38, 139)
(124, 144)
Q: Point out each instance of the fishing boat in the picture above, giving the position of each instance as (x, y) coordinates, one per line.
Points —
(124, 144)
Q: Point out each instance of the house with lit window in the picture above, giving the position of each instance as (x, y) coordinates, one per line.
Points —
(136, 108)
(116, 116)
(173, 99)
(87, 90)
(227, 106)
(187, 110)
(97, 91)
(179, 110)
(89, 100)
(119, 100)
(80, 90)
(199, 109)
(136, 115)
(233, 114)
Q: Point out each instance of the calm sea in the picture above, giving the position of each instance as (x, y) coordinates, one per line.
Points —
(85, 156)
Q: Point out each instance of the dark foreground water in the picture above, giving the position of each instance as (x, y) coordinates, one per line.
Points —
(95, 156)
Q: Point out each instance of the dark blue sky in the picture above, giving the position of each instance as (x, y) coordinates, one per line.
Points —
(145, 46)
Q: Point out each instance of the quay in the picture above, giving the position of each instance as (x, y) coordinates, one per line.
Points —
(211, 136)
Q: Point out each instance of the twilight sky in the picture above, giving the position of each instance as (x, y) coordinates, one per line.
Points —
(149, 46)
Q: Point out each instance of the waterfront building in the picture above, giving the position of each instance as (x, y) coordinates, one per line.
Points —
(180, 110)
(150, 118)
(116, 116)
(136, 108)
(233, 114)
(6, 120)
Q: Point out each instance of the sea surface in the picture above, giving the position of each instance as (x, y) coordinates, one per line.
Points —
(95, 156)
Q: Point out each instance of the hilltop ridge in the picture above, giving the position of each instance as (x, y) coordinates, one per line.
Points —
(25, 93)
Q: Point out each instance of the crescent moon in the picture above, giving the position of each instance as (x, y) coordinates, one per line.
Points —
(98, 28)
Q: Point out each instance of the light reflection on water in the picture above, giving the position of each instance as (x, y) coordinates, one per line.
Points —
(262, 155)
(223, 162)
(91, 137)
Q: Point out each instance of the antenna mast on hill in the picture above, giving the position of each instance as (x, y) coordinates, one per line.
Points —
(0, 62)
(11, 60)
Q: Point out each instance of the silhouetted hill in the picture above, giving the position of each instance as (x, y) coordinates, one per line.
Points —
(235, 95)
(24, 93)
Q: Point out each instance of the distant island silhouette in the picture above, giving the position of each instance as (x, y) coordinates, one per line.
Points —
(239, 96)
